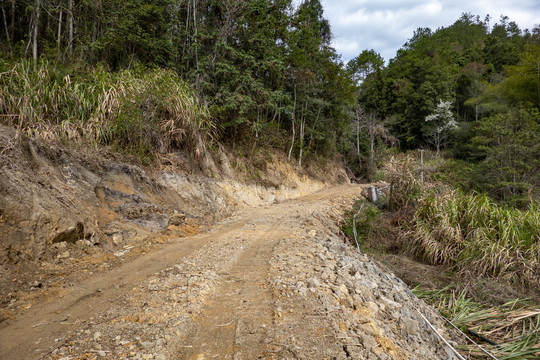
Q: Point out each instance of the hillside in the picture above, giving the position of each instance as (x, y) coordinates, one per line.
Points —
(109, 264)
(179, 179)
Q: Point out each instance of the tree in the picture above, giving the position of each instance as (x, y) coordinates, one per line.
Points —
(309, 42)
(523, 83)
(470, 85)
(365, 64)
(440, 123)
(511, 144)
(375, 129)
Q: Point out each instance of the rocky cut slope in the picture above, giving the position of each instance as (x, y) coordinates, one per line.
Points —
(62, 210)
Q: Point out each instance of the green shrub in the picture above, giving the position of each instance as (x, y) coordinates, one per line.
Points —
(367, 222)
(144, 111)
(474, 232)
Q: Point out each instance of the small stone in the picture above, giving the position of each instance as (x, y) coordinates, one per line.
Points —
(177, 219)
(147, 345)
(61, 245)
(63, 255)
(117, 239)
(315, 283)
(161, 342)
(97, 336)
(343, 289)
(102, 353)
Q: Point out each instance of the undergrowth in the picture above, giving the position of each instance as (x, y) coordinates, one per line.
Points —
(468, 231)
(472, 232)
(507, 331)
(478, 237)
(366, 223)
(142, 111)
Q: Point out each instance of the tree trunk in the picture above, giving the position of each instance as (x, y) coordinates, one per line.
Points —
(12, 26)
(70, 28)
(195, 30)
(293, 126)
(302, 132)
(8, 38)
(35, 35)
(371, 152)
(58, 40)
(358, 141)
(314, 127)
(302, 128)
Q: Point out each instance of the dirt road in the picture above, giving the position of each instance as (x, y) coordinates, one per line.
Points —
(276, 283)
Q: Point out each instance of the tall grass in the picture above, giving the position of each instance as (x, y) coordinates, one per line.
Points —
(471, 231)
(514, 327)
(143, 111)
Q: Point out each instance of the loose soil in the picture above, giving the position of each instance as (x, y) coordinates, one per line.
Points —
(104, 259)
(273, 282)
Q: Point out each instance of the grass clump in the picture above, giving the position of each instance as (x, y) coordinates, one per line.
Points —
(142, 111)
(472, 232)
(512, 328)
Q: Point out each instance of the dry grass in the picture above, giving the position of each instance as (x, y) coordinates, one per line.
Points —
(402, 173)
(473, 232)
(514, 327)
(141, 111)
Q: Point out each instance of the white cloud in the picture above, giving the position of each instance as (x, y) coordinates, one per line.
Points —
(385, 25)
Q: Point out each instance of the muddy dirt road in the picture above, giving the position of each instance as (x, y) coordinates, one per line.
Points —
(275, 282)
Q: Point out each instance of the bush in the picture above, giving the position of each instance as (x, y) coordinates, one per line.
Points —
(144, 111)
(473, 232)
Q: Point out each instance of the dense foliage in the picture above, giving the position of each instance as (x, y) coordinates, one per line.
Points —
(264, 68)
(491, 78)
(268, 76)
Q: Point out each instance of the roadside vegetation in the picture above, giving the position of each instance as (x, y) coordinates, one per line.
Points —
(477, 240)
(507, 331)
(142, 111)
(473, 233)
(150, 76)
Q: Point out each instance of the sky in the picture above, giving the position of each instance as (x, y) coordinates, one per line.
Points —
(385, 25)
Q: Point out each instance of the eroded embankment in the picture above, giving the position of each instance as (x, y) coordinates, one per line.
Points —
(65, 214)
(97, 263)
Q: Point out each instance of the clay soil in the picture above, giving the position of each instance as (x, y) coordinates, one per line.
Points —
(272, 282)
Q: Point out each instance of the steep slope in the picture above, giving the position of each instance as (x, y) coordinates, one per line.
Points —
(65, 213)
